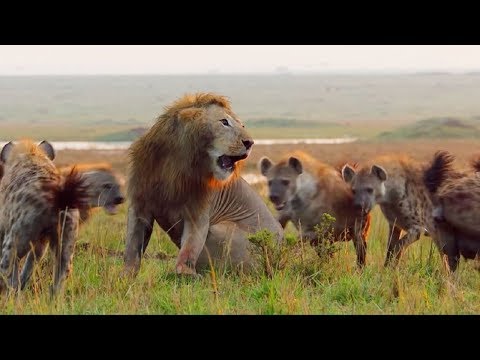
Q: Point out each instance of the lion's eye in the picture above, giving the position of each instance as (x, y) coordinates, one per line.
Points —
(225, 122)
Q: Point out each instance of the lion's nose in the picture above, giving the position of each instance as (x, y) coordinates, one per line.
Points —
(248, 144)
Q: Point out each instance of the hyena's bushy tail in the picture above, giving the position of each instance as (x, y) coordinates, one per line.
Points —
(73, 192)
(440, 168)
(475, 164)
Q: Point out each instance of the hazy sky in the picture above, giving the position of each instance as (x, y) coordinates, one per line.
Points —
(190, 59)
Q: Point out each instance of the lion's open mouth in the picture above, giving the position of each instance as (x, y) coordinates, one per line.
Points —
(227, 163)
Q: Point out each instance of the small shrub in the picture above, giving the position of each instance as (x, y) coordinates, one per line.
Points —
(324, 243)
(273, 255)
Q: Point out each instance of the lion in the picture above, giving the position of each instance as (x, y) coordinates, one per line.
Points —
(303, 189)
(184, 174)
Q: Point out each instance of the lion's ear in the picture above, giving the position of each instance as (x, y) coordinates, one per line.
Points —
(189, 114)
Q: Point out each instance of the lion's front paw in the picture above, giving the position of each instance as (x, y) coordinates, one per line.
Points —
(183, 269)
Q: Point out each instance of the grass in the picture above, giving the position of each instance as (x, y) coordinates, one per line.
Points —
(304, 285)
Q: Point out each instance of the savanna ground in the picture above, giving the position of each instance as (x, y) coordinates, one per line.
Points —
(306, 285)
(62, 108)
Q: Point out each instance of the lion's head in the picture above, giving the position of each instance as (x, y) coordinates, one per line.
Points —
(231, 142)
(198, 142)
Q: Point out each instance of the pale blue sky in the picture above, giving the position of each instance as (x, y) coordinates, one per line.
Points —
(197, 59)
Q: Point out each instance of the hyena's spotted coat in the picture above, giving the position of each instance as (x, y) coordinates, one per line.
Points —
(456, 195)
(303, 189)
(33, 199)
(396, 184)
(102, 189)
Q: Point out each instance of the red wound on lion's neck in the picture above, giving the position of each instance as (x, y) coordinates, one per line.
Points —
(214, 183)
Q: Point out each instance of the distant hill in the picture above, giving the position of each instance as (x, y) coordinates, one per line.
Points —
(288, 123)
(261, 128)
(435, 128)
(127, 135)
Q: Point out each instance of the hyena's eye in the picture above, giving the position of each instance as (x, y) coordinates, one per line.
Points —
(285, 182)
(225, 122)
(353, 191)
(369, 190)
(107, 186)
(269, 182)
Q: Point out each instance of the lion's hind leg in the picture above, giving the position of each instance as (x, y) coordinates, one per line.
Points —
(226, 245)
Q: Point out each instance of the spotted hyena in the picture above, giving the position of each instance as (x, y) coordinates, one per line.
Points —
(396, 184)
(103, 190)
(39, 207)
(103, 187)
(302, 189)
(456, 198)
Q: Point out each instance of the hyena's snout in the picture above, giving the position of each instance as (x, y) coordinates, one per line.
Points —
(362, 206)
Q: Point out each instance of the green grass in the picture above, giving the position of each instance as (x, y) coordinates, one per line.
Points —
(304, 286)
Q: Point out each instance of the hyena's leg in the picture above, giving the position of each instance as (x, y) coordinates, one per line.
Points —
(13, 280)
(283, 219)
(55, 246)
(68, 227)
(14, 248)
(393, 238)
(6, 261)
(139, 231)
(396, 248)
(447, 244)
(360, 242)
(34, 255)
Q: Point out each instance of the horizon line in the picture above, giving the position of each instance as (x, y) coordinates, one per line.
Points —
(279, 73)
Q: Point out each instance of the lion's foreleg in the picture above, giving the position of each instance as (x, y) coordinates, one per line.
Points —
(139, 231)
(194, 235)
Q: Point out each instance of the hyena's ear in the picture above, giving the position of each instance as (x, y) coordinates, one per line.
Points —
(47, 148)
(348, 173)
(6, 151)
(379, 172)
(296, 164)
(264, 165)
